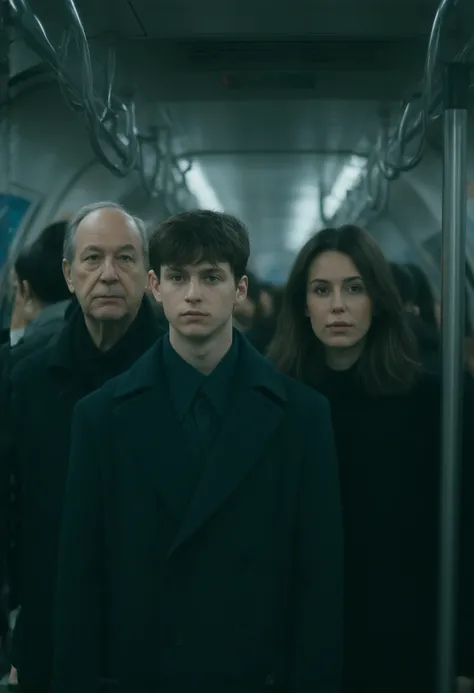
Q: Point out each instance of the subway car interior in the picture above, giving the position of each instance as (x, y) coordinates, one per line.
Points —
(291, 116)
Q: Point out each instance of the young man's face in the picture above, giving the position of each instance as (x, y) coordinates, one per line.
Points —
(198, 300)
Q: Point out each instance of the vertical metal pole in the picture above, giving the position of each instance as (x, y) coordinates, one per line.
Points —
(4, 97)
(4, 140)
(454, 257)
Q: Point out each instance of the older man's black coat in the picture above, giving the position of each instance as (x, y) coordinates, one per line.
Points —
(243, 593)
(34, 442)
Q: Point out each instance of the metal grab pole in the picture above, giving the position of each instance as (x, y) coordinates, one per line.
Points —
(456, 95)
(4, 98)
(4, 141)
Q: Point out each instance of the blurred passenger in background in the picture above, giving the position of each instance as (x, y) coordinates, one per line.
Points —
(343, 330)
(247, 312)
(424, 297)
(264, 325)
(406, 287)
(110, 325)
(256, 317)
(17, 320)
(271, 297)
(41, 297)
(427, 335)
(420, 301)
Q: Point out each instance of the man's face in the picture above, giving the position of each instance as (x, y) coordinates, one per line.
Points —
(198, 300)
(108, 273)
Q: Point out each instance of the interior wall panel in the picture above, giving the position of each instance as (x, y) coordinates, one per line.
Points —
(51, 158)
(415, 207)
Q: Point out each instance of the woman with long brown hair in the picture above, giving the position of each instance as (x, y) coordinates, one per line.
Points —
(343, 330)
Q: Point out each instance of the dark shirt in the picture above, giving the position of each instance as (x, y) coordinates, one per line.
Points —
(200, 401)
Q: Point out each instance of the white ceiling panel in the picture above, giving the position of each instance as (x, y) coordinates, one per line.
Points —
(298, 17)
(287, 125)
(263, 147)
(265, 161)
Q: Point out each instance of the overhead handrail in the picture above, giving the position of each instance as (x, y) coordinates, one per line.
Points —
(111, 122)
(389, 158)
(392, 168)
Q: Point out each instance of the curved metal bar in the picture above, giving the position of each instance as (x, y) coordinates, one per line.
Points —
(431, 97)
(209, 153)
(110, 121)
(426, 97)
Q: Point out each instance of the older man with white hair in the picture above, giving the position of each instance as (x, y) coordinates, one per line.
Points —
(106, 267)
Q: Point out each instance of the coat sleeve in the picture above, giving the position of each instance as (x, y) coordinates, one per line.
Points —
(318, 589)
(78, 620)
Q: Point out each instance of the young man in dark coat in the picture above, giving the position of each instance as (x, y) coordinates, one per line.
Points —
(106, 267)
(201, 547)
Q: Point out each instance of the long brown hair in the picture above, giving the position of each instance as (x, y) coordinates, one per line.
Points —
(389, 361)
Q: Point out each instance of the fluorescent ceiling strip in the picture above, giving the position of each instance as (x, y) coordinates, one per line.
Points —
(307, 213)
(345, 182)
(305, 219)
(200, 189)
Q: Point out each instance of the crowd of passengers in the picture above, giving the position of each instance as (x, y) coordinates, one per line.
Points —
(212, 484)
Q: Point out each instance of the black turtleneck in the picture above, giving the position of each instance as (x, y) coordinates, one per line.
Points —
(76, 352)
(388, 451)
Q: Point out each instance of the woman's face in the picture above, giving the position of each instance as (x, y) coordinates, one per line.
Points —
(337, 302)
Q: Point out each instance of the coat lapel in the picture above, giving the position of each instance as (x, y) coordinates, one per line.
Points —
(156, 440)
(257, 409)
(256, 412)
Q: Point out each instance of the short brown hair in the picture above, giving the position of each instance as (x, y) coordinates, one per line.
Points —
(389, 362)
(200, 236)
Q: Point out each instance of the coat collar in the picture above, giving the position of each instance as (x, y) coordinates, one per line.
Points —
(73, 346)
(256, 410)
(254, 369)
